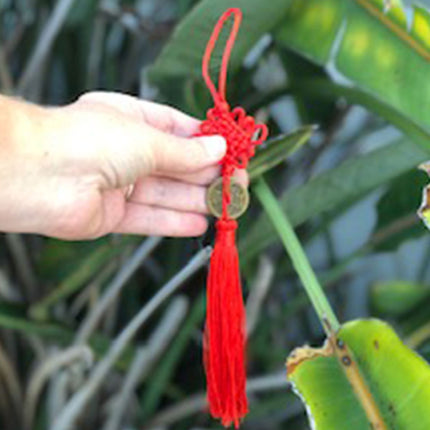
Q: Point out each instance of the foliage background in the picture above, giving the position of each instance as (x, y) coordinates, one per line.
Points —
(352, 191)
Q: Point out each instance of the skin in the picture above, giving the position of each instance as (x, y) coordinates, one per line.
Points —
(66, 171)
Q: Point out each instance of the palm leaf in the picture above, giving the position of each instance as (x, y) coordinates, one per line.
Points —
(397, 377)
(182, 55)
(370, 44)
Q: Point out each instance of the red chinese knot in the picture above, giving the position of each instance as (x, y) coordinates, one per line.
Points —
(224, 341)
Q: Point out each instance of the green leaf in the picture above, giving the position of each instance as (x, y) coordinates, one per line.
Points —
(182, 55)
(311, 27)
(396, 298)
(277, 150)
(370, 44)
(398, 379)
(342, 185)
(297, 255)
(325, 89)
(399, 204)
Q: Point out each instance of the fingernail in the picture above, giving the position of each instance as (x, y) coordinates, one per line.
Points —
(215, 146)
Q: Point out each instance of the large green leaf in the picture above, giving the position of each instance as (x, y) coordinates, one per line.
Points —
(369, 43)
(326, 89)
(342, 185)
(182, 55)
(398, 380)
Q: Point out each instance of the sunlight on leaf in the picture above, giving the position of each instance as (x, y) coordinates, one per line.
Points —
(370, 45)
(398, 378)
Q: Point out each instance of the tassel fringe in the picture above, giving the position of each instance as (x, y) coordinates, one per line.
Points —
(224, 347)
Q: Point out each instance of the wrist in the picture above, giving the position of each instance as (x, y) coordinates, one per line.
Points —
(23, 127)
(21, 156)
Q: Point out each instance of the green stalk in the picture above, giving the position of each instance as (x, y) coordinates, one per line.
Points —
(298, 257)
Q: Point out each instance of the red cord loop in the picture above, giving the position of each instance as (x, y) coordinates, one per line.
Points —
(219, 95)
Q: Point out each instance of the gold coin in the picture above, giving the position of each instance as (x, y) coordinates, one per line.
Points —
(239, 199)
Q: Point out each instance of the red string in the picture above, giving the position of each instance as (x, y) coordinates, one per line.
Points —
(219, 95)
(224, 353)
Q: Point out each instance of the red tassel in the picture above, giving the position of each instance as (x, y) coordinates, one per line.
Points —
(224, 346)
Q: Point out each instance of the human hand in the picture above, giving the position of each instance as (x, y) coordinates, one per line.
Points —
(67, 172)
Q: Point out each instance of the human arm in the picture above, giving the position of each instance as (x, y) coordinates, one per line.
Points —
(64, 171)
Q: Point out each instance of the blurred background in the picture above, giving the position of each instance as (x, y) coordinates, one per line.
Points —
(118, 321)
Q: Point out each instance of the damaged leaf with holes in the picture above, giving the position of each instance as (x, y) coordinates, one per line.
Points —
(397, 377)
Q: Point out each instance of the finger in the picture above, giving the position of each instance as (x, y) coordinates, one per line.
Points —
(241, 176)
(154, 221)
(129, 150)
(176, 154)
(206, 176)
(170, 194)
(169, 119)
(202, 177)
(162, 117)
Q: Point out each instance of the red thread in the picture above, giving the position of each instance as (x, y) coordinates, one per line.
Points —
(224, 346)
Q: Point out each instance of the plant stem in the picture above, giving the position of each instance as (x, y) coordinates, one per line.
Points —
(298, 257)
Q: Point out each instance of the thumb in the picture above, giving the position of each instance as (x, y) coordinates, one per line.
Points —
(177, 154)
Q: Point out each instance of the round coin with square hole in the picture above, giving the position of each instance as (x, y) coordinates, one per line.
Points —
(239, 199)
